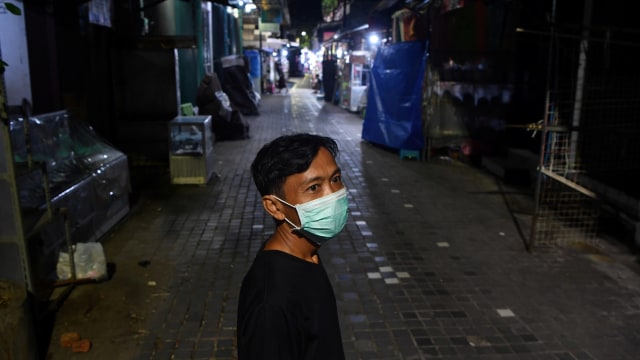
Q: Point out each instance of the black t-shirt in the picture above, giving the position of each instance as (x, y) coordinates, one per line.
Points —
(287, 310)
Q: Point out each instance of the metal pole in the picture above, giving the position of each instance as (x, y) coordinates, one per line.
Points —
(543, 141)
(260, 53)
(580, 80)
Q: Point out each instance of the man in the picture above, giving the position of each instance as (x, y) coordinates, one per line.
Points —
(317, 84)
(287, 308)
(281, 83)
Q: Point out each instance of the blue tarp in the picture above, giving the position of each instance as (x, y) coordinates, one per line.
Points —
(254, 63)
(393, 116)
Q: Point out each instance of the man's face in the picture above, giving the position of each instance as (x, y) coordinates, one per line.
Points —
(322, 178)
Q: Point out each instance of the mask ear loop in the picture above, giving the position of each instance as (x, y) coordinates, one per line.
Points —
(282, 201)
(294, 227)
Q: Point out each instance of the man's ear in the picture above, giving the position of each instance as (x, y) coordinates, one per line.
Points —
(272, 206)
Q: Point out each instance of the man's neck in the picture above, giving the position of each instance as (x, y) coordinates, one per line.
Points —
(286, 241)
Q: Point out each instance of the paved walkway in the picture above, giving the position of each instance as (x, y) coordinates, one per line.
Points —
(431, 263)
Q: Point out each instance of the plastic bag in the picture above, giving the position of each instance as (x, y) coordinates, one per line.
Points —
(90, 262)
(224, 100)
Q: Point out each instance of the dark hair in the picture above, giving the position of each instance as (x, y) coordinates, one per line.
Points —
(285, 156)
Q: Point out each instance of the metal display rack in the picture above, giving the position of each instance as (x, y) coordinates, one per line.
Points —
(191, 157)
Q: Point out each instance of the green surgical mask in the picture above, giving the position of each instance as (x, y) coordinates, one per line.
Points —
(323, 218)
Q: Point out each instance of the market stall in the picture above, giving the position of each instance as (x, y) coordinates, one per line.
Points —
(354, 81)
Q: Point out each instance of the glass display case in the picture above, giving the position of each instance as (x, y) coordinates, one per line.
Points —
(191, 149)
(61, 185)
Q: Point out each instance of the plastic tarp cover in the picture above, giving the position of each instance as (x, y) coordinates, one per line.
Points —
(237, 84)
(211, 100)
(227, 123)
(254, 63)
(394, 117)
(87, 176)
(69, 150)
(255, 68)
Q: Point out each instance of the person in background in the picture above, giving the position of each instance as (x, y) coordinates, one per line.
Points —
(317, 84)
(287, 308)
(281, 83)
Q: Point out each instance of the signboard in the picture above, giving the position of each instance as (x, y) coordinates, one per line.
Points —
(270, 27)
(271, 15)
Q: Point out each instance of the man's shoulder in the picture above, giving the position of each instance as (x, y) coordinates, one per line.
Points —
(273, 262)
(270, 279)
(277, 270)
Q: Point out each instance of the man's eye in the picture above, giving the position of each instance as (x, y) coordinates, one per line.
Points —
(313, 187)
(336, 179)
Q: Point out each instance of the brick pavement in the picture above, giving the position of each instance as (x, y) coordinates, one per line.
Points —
(431, 263)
